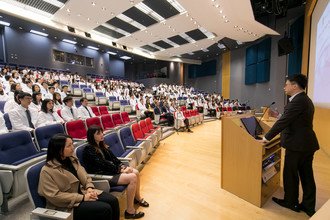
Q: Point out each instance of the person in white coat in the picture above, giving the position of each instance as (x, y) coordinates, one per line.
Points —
(69, 112)
(47, 116)
(84, 110)
(23, 118)
(3, 128)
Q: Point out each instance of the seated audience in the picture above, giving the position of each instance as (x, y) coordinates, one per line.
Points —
(36, 101)
(58, 104)
(69, 112)
(3, 128)
(67, 187)
(22, 117)
(47, 116)
(84, 110)
(3, 95)
(100, 160)
(180, 116)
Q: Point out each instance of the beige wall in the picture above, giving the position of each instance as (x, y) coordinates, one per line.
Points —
(226, 75)
(322, 115)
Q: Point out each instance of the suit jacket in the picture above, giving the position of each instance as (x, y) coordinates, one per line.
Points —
(60, 187)
(296, 125)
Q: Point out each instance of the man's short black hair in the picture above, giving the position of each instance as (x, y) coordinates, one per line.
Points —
(22, 95)
(67, 99)
(299, 79)
(83, 99)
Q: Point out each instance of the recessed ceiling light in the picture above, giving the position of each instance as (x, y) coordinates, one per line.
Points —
(88, 19)
(39, 33)
(78, 15)
(69, 41)
(43, 29)
(55, 37)
(195, 22)
(97, 22)
(68, 10)
(74, 38)
(226, 21)
(112, 13)
(20, 28)
(104, 8)
(217, 6)
(235, 26)
(93, 3)
(5, 23)
(82, 45)
(187, 14)
(191, 19)
(220, 11)
(93, 48)
(112, 53)
(224, 16)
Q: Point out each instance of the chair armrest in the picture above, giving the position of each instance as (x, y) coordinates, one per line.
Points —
(124, 158)
(100, 177)
(6, 180)
(102, 185)
(22, 165)
(52, 214)
(141, 139)
(133, 147)
(79, 139)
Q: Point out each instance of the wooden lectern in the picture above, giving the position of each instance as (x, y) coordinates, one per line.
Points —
(249, 169)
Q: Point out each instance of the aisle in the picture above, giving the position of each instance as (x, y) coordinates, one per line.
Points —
(182, 182)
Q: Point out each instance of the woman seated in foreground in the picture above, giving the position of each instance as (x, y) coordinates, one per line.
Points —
(67, 187)
(98, 159)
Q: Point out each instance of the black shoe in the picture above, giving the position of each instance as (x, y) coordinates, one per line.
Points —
(190, 130)
(142, 202)
(134, 216)
(310, 213)
(282, 203)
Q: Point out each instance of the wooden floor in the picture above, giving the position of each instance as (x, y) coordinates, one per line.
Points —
(182, 181)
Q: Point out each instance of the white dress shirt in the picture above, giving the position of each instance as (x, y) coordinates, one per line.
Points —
(4, 97)
(48, 119)
(83, 113)
(67, 115)
(19, 120)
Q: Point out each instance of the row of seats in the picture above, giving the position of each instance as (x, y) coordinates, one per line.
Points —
(133, 144)
(193, 116)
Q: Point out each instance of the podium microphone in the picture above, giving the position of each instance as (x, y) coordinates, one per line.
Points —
(267, 107)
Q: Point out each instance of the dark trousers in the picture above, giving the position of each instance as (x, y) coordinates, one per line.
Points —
(299, 165)
(186, 122)
(170, 119)
(105, 208)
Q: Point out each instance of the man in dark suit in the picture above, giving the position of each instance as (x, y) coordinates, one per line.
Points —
(300, 142)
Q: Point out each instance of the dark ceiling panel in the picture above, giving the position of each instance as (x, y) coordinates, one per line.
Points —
(140, 17)
(109, 32)
(150, 48)
(162, 7)
(196, 34)
(41, 5)
(163, 44)
(229, 43)
(178, 40)
(116, 22)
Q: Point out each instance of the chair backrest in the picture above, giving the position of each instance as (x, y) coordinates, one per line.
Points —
(115, 144)
(79, 153)
(136, 130)
(123, 102)
(103, 110)
(99, 94)
(95, 110)
(83, 86)
(87, 90)
(32, 175)
(183, 108)
(59, 112)
(186, 114)
(17, 147)
(74, 86)
(144, 126)
(43, 134)
(77, 103)
(2, 105)
(7, 121)
(112, 98)
(126, 137)
(149, 123)
(76, 129)
(117, 119)
(125, 117)
(93, 121)
(107, 122)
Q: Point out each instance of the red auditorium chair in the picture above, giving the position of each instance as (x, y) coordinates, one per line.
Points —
(191, 119)
(95, 110)
(140, 136)
(76, 129)
(125, 118)
(117, 119)
(146, 131)
(107, 122)
(103, 110)
(93, 121)
(59, 112)
(151, 127)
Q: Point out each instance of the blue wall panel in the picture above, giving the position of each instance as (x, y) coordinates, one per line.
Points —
(263, 71)
(251, 74)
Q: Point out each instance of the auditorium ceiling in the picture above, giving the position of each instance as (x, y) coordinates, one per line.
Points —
(178, 30)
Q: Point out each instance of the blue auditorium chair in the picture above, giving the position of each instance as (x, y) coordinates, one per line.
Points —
(43, 134)
(7, 121)
(17, 153)
(2, 105)
(100, 98)
(88, 94)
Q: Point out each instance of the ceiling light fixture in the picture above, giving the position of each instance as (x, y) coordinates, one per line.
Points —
(69, 41)
(39, 33)
(93, 3)
(125, 57)
(104, 8)
(112, 53)
(93, 48)
(68, 10)
(5, 23)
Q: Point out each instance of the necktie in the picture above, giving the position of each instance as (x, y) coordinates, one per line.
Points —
(88, 111)
(71, 110)
(28, 115)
